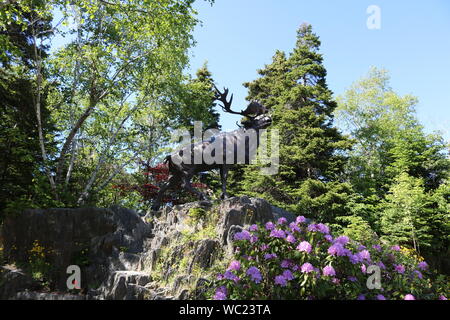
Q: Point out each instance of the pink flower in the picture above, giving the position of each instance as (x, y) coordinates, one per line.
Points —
(329, 271)
(422, 265)
(234, 266)
(304, 246)
(300, 219)
(307, 267)
(342, 240)
(290, 238)
(400, 268)
(409, 297)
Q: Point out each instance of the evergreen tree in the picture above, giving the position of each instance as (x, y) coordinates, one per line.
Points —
(21, 159)
(294, 89)
(194, 101)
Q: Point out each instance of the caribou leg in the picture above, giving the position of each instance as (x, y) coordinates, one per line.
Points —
(173, 181)
(188, 187)
(223, 177)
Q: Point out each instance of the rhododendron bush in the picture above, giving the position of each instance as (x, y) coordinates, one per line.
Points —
(305, 261)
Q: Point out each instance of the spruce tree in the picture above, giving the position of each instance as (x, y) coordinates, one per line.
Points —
(294, 88)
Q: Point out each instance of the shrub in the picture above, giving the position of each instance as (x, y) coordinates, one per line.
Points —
(301, 261)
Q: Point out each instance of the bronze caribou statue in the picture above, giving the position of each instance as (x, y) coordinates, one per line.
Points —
(181, 172)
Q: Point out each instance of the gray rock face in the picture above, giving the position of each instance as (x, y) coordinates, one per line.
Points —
(13, 280)
(126, 257)
(240, 212)
(100, 241)
(126, 285)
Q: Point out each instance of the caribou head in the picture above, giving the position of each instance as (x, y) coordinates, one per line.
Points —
(255, 117)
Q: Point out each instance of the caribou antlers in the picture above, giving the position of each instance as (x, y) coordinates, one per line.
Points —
(254, 108)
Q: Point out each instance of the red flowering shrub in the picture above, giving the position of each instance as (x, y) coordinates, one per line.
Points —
(154, 178)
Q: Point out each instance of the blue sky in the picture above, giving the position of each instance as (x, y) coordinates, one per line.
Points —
(237, 37)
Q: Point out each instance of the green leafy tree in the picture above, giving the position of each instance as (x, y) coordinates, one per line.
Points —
(404, 217)
(21, 164)
(294, 89)
(389, 138)
(110, 84)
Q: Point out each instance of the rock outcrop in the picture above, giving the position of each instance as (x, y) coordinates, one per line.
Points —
(169, 254)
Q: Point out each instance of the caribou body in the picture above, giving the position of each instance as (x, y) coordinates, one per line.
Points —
(221, 151)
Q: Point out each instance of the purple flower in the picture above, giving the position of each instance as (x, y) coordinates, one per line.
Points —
(329, 238)
(221, 293)
(313, 227)
(294, 227)
(231, 276)
(264, 247)
(409, 297)
(323, 228)
(304, 246)
(220, 276)
(253, 238)
(288, 275)
(337, 249)
(307, 267)
(377, 247)
(422, 265)
(280, 280)
(270, 226)
(361, 297)
(253, 228)
(380, 297)
(254, 274)
(381, 265)
(363, 268)
(342, 240)
(234, 266)
(442, 297)
(335, 280)
(244, 235)
(282, 220)
(395, 248)
(351, 278)
(300, 219)
(295, 268)
(364, 255)
(361, 247)
(399, 268)
(278, 233)
(419, 274)
(291, 239)
(354, 258)
(269, 256)
(328, 271)
(286, 264)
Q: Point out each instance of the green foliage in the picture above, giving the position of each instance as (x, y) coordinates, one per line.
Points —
(389, 138)
(107, 99)
(197, 214)
(396, 170)
(38, 266)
